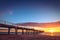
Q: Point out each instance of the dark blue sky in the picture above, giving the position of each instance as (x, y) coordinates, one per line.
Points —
(30, 11)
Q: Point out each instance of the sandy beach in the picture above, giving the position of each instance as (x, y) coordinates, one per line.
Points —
(28, 37)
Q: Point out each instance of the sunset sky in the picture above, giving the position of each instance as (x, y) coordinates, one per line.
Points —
(20, 11)
(30, 11)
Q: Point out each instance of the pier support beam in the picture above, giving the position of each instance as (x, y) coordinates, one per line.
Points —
(16, 31)
(8, 30)
(26, 31)
(22, 31)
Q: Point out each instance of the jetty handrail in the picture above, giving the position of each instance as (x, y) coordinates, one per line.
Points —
(6, 22)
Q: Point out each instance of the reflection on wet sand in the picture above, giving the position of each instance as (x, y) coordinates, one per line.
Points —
(51, 33)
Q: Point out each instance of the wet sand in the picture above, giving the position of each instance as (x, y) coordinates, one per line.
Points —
(28, 37)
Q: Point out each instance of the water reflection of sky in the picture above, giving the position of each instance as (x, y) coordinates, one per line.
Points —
(51, 34)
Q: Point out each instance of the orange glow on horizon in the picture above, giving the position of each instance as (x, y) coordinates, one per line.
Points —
(52, 29)
(56, 29)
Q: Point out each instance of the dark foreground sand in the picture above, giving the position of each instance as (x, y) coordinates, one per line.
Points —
(28, 37)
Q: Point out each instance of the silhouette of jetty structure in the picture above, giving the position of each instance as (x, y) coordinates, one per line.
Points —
(10, 25)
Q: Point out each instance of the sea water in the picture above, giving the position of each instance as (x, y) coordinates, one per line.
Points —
(51, 34)
(45, 33)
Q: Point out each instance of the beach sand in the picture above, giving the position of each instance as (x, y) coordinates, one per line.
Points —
(28, 37)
